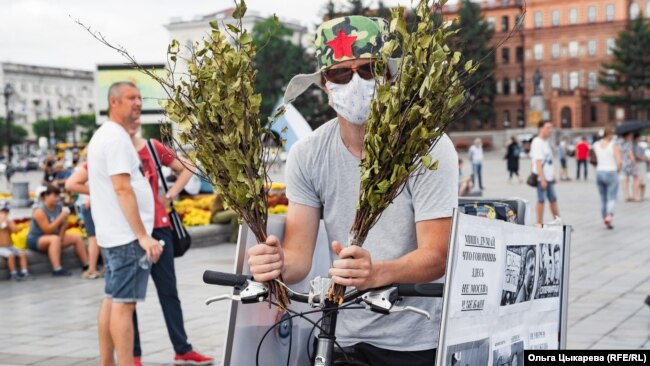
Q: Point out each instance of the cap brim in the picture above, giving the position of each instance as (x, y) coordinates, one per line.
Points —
(299, 84)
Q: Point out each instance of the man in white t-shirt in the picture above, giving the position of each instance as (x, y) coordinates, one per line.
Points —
(123, 210)
(541, 156)
(476, 157)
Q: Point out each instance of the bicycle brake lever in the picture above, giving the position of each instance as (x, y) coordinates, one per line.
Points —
(399, 309)
(222, 297)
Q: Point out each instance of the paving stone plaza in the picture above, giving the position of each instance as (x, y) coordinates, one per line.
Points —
(52, 321)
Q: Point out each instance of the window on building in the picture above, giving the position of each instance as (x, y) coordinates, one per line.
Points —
(574, 80)
(36, 88)
(573, 49)
(592, 47)
(539, 18)
(505, 23)
(611, 75)
(592, 81)
(610, 44)
(23, 87)
(505, 55)
(555, 50)
(555, 18)
(506, 118)
(519, 21)
(611, 112)
(573, 16)
(520, 117)
(46, 89)
(556, 81)
(594, 114)
(538, 52)
(490, 22)
(634, 10)
(519, 55)
(609, 12)
(591, 14)
(519, 85)
(506, 86)
(498, 86)
(91, 107)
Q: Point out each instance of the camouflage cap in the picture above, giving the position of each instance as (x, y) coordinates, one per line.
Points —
(349, 38)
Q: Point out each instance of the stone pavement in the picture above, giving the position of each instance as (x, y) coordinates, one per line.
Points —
(53, 321)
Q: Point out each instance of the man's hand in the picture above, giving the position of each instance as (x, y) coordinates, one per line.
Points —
(266, 260)
(65, 212)
(354, 268)
(152, 247)
(165, 201)
(543, 184)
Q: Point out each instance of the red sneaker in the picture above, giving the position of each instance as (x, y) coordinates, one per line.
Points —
(193, 358)
(137, 361)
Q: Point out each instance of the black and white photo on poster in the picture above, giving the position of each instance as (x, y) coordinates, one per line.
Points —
(473, 353)
(549, 275)
(508, 351)
(519, 274)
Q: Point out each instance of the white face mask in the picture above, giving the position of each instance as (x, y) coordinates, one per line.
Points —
(352, 100)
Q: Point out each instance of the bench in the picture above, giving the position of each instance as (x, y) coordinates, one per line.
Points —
(202, 236)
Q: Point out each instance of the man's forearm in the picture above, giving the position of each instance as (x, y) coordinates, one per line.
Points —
(129, 206)
(420, 265)
(296, 267)
(540, 172)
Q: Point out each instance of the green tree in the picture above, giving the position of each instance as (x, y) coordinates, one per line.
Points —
(18, 134)
(473, 38)
(330, 10)
(627, 74)
(88, 125)
(357, 7)
(62, 126)
(151, 131)
(277, 61)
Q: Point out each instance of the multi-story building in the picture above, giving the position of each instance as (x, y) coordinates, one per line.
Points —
(197, 28)
(563, 43)
(34, 88)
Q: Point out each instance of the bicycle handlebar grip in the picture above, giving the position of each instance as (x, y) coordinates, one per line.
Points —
(421, 289)
(224, 279)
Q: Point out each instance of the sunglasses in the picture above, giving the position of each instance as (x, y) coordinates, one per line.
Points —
(343, 75)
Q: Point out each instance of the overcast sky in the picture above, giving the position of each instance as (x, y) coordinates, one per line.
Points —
(42, 32)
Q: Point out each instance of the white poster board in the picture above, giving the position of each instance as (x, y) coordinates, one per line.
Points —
(249, 322)
(503, 292)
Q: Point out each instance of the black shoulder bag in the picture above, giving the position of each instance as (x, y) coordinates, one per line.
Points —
(182, 240)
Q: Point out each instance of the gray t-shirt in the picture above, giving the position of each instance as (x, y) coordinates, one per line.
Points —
(321, 172)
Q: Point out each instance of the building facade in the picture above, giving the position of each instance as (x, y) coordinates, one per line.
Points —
(65, 91)
(188, 31)
(561, 44)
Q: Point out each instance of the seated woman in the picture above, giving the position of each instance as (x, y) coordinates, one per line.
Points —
(464, 182)
(219, 215)
(47, 231)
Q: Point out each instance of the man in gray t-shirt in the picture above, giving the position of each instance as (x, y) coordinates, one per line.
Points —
(409, 242)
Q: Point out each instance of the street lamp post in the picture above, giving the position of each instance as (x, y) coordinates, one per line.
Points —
(48, 109)
(73, 117)
(9, 90)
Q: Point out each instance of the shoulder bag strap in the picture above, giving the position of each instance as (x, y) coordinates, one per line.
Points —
(156, 160)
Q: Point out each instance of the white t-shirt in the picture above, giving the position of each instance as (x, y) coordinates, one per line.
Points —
(111, 152)
(476, 154)
(322, 173)
(540, 149)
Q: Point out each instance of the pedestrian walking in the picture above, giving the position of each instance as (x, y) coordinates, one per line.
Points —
(476, 157)
(512, 158)
(608, 166)
(582, 154)
(630, 169)
(122, 206)
(562, 154)
(641, 160)
(541, 156)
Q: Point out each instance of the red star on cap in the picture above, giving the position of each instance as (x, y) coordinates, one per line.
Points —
(342, 44)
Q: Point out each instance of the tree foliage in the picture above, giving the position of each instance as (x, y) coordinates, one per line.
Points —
(472, 40)
(274, 48)
(18, 134)
(63, 125)
(629, 77)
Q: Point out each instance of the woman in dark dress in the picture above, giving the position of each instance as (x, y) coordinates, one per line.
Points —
(512, 156)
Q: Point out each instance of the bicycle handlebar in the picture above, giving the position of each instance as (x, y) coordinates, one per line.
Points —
(237, 281)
